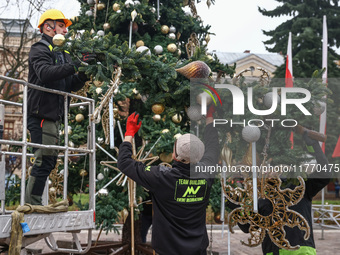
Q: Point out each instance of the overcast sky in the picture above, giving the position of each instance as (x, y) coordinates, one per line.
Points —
(238, 24)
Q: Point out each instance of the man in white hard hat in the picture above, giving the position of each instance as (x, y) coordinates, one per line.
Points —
(54, 70)
(179, 199)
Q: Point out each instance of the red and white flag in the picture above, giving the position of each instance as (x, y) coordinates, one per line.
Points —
(289, 74)
(323, 116)
(336, 152)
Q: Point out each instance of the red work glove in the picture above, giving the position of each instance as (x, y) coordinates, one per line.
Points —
(131, 124)
(211, 110)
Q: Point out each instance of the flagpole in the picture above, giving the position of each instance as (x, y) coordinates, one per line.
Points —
(289, 75)
(323, 116)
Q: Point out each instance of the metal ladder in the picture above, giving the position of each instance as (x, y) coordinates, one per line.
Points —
(44, 225)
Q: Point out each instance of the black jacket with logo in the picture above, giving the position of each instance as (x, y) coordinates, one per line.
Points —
(179, 201)
(47, 70)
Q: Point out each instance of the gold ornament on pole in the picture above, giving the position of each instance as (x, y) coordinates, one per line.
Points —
(177, 118)
(58, 40)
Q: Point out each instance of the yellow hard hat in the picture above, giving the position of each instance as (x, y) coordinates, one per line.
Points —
(53, 14)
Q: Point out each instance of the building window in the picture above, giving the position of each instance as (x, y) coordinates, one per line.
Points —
(8, 130)
(252, 69)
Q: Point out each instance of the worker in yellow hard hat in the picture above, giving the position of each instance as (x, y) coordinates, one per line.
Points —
(52, 69)
(51, 18)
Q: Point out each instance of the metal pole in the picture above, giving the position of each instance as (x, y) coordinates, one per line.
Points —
(112, 128)
(130, 35)
(24, 146)
(92, 161)
(158, 16)
(66, 145)
(2, 183)
(100, 147)
(253, 152)
(323, 208)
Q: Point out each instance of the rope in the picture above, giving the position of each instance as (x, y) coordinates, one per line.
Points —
(18, 217)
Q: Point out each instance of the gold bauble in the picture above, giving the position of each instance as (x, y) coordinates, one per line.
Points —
(176, 136)
(139, 43)
(177, 118)
(156, 117)
(100, 6)
(179, 52)
(58, 40)
(97, 83)
(165, 157)
(138, 96)
(116, 7)
(82, 172)
(92, 31)
(106, 26)
(207, 38)
(210, 57)
(157, 108)
(115, 110)
(165, 131)
(165, 29)
(172, 47)
(79, 117)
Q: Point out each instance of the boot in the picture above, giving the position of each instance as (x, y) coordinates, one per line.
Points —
(29, 198)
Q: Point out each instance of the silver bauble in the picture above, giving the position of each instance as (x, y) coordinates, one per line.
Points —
(100, 33)
(153, 9)
(251, 134)
(129, 3)
(100, 177)
(268, 99)
(103, 192)
(89, 13)
(172, 36)
(90, 2)
(156, 117)
(194, 112)
(143, 48)
(158, 49)
(172, 29)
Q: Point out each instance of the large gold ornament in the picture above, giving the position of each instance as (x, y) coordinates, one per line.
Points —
(58, 40)
(274, 223)
(83, 173)
(79, 117)
(139, 43)
(100, 6)
(172, 47)
(116, 7)
(196, 69)
(165, 29)
(157, 108)
(177, 118)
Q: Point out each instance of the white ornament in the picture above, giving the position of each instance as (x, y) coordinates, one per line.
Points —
(143, 48)
(188, 13)
(319, 107)
(90, 2)
(251, 134)
(153, 9)
(103, 192)
(129, 3)
(69, 130)
(89, 13)
(82, 107)
(172, 29)
(99, 90)
(136, 2)
(61, 172)
(268, 99)
(172, 36)
(134, 15)
(100, 177)
(100, 33)
(119, 11)
(100, 140)
(158, 49)
(194, 112)
(70, 144)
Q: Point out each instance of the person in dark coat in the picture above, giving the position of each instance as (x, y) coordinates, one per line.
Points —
(179, 198)
(53, 70)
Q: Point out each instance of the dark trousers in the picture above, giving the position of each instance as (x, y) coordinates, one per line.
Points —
(146, 223)
(44, 132)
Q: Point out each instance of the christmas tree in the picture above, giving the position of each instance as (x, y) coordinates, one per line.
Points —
(147, 41)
